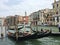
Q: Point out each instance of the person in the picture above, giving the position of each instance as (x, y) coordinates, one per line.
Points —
(42, 31)
(2, 35)
(59, 27)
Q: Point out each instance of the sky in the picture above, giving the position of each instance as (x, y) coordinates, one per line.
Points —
(18, 7)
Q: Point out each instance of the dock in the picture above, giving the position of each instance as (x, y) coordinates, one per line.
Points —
(55, 33)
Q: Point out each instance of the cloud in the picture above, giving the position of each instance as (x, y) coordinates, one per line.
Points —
(13, 2)
(12, 7)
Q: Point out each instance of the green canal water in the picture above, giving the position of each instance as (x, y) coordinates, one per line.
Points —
(54, 29)
(42, 41)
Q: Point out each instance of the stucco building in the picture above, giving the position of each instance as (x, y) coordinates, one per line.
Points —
(48, 16)
(43, 16)
(56, 8)
(2, 21)
(36, 16)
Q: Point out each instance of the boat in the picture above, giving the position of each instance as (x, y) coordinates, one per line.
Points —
(27, 26)
(27, 36)
(20, 26)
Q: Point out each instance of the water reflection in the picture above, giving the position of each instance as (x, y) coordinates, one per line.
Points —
(42, 41)
(50, 41)
(28, 42)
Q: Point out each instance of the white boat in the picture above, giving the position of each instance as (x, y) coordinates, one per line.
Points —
(20, 26)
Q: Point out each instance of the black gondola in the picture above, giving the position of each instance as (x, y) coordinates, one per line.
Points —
(30, 36)
(35, 35)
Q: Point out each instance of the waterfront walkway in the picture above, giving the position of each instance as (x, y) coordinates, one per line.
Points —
(55, 33)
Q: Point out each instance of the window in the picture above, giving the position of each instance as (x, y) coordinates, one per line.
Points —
(47, 19)
(57, 12)
(57, 19)
(47, 15)
(53, 6)
(50, 19)
(57, 5)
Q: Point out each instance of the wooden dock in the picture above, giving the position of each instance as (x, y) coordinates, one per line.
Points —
(55, 33)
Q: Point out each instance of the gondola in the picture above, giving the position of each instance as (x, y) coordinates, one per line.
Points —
(36, 35)
(27, 36)
(18, 28)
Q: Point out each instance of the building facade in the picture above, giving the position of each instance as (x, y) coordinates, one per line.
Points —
(2, 21)
(56, 8)
(42, 16)
(25, 19)
(11, 21)
(20, 18)
(36, 16)
(47, 14)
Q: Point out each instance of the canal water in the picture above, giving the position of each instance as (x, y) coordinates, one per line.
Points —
(54, 29)
(42, 41)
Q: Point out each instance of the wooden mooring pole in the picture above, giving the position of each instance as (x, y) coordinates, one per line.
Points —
(1, 31)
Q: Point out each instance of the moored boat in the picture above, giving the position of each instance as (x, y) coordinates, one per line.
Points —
(19, 27)
(27, 36)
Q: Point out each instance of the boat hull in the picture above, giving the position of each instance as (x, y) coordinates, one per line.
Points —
(33, 36)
